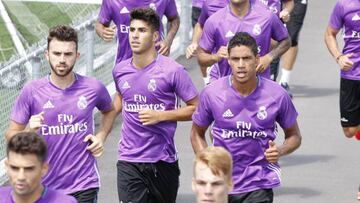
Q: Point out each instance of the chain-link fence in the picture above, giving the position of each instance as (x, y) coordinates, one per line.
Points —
(97, 56)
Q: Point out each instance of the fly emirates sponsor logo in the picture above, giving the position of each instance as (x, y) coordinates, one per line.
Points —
(65, 126)
(140, 102)
(243, 130)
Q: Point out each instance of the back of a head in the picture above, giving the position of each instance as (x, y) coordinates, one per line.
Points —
(63, 33)
(218, 159)
(147, 15)
(28, 143)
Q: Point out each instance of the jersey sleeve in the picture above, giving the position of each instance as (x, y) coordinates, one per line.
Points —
(203, 116)
(278, 29)
(183, 85)
(204, 15)
(105, 14)
(171, 9)
(207, 40)
(336, 17)
(287, 112)
(21, 111)
(103, 102)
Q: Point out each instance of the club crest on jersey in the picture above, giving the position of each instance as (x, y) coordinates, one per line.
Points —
(256, 29)
(261, 114)
(152, 85)
(152, 6)
(82, 102)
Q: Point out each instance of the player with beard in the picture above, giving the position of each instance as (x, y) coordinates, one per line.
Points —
(59, 107)
(149, 88)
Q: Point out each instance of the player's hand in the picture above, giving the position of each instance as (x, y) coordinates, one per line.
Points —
(149, 117)
(264, 63)
(164, 47)
(344, 62)
(272, 153)
(96, 145)
(191, 50)
(36, 121)
(222, 53)
(284, 15)
(108, 33)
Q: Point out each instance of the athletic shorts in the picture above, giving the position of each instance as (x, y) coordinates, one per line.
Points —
(86, 196)
(297, 17)
(257, 196)
(147, 182)
(195, 13)
(349, 102)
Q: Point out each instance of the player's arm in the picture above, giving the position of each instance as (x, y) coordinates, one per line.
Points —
(206, 59)
(191, 49)
(165, 45)
(287, 7)
(13, 129)
(291, 143)
(105, 32)
(330, 40)
(197, 137)
(35, 123)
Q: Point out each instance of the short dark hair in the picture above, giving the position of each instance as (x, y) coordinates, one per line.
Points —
(28, 143)
(148, 15)
(62, 33)
(243, 39)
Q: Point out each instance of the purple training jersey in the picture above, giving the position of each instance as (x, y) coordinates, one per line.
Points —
(244, 126)
(346, 15)
(119, 12)
(198, 3)
(48, 196)
(260, 23)
(68, 118)
(155, 87)
(274, 5)
(210, 7)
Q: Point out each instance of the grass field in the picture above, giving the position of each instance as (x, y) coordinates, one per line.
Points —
(6, 45)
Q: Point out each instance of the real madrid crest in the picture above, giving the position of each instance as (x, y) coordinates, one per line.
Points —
(256, 29)
(261, 114)
(152, 85)
(82, 102)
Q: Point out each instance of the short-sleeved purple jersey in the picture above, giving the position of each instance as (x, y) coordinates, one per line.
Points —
(119, 12)
(346, 15)
(48, 196)
(244, 126)
(198, 3)
(158, 87)
(260, 23)
(68, 118)
(210, 7)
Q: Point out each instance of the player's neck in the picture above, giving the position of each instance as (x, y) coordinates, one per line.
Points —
(245, 89)
(62, 82)
(31, 197)
(240, 9)
(142, 60)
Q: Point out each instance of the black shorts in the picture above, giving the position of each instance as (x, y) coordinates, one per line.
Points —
(195, 13)
(86, 196)
(297, 17)
(349, 102)
(257, 196)
(148, 182)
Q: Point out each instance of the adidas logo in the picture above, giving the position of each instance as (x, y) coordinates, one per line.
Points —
(48, 105)
(356, 17)
(344, 119)
(228, 114)
(124, 10)
(126, 85)
(229, 34)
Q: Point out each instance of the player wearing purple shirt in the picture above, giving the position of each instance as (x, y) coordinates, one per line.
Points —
(60, 108)
(149, 86)
(196, 10)
(25, 165)
(118, 12)
(346, 16)
(243, 114)
(245, 16)
(281, 8)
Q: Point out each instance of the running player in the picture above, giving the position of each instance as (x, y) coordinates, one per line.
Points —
(118, 12)
(25, 164)
(243, 116)
(212, 179)
(196, 10)
(294, 26)
(346, 16)
(60, 108)
(148, 87)
(247, 16)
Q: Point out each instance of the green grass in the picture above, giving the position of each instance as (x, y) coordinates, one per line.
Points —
(5, 43)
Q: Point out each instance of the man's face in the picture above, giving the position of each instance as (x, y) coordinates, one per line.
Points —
(243, 64)
(141, 37)
(209, 187)
(25, 172)
(62, 56)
